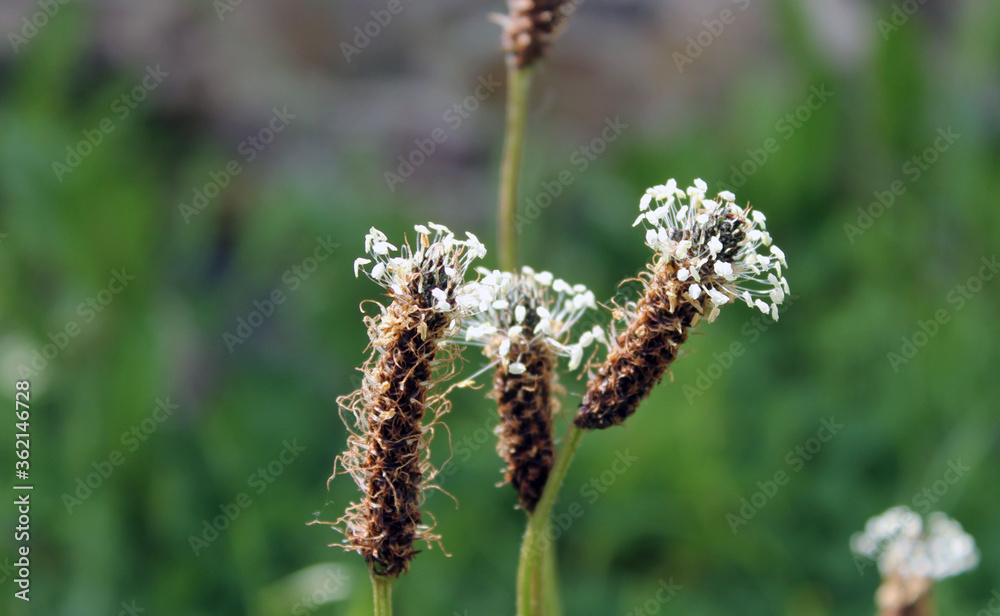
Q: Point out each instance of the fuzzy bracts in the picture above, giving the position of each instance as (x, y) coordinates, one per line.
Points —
(524, 403)
(387, 453)
(643, 352)
(391, 449)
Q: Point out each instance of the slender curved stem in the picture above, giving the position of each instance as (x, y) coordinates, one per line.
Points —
(530, 587)
(518, 83)
(382, 586)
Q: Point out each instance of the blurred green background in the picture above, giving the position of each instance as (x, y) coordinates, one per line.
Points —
(808, 109)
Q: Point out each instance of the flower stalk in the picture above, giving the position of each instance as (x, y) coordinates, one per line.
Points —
(518, 86)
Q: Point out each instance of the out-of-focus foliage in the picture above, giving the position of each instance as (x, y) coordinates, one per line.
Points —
(716, 432)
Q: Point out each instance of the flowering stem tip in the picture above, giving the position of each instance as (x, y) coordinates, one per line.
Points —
(707, 252)
(388, 447)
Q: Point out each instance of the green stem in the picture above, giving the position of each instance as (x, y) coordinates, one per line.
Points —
(530, 589)
(518, 83)
(382, 587)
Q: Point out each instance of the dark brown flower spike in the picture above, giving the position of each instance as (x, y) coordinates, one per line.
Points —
(524, 331)
(705, 256)
(387, 452)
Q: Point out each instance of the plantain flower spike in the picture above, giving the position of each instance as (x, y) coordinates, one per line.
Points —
(387, 453)
(707, 253)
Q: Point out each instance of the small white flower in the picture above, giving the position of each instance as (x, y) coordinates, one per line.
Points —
(433, 275)
(715, 244)
(533, 308)
(358, 263)
(724, 269)
(575, 356)
(905, 547)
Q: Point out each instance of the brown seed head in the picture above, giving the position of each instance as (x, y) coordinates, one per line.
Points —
(530, 28)
(388, 451)
(643, 352)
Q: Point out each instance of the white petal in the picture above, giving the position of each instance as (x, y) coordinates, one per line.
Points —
(519, 313)
(504, 348)
(774, 311)
(714, 246)
(516, 368)
(378, 271)
(694, 291)
(763, 307)
(439, 294)
(598, 333)
(358, 263)
(586, 339)
(724, 269)
(422, 229)
(644, 202)
(778, 253)
(683, 274)
(575, 356)
(727, 196)
(718, 298)
(544, 278)
(682, 249)
(543, 312)
(700, 185)
(501, 304)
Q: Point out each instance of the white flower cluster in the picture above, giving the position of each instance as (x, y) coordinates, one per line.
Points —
(434, 271)
(902, 546)
(717, 244)
(532, 306)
